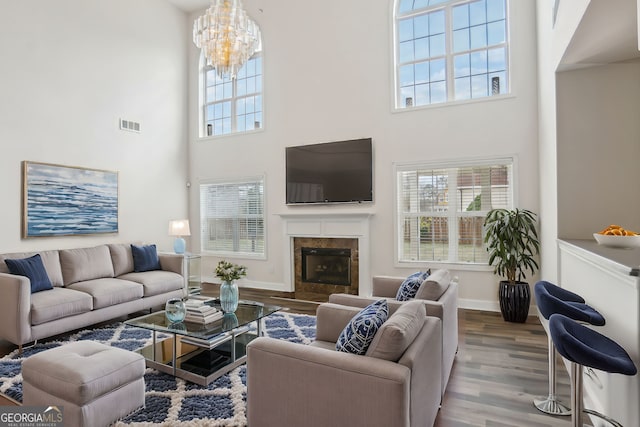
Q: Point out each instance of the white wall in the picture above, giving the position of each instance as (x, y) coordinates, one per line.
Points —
(598, 149)
(588, 124)
(72, 68)
(328, 77)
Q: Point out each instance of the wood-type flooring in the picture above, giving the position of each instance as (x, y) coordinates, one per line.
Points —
(500, 367)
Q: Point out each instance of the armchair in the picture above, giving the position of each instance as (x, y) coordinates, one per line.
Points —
(314, 385)
(444, 307)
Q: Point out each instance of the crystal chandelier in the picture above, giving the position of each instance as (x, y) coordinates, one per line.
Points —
(227, 36)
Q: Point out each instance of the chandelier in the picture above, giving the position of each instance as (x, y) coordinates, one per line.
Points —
(227, 36)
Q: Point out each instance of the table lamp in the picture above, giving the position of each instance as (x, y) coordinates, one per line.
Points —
(179, 228)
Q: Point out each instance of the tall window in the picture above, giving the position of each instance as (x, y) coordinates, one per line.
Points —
(232, 217)
(441, 209)
(449, 50)
(233, 105)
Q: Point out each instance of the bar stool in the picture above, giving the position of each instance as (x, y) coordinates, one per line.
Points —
(583, 346)
(552, 299)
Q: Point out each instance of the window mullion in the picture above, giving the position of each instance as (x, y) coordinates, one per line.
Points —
(234, 92)
(454, 207)
(449, 52)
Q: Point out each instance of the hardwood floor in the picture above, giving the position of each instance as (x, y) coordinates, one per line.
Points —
(499, 369)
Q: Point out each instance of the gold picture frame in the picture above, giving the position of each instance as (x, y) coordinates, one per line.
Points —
(61, 200)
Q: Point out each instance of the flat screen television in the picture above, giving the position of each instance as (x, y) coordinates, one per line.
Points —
(331, 172)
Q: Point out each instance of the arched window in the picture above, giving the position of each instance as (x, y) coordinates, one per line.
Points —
(232, 105)
(450, 50)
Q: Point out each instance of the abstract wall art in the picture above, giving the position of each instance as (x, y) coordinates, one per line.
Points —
(66, 200)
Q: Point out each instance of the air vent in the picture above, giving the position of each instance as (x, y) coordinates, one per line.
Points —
(130, 125)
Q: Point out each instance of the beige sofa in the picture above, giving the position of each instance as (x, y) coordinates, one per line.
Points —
(395, 383)
(90, 285)
(445, 307)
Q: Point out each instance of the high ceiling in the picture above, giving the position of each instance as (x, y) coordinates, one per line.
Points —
(607, 33)
(190, 5)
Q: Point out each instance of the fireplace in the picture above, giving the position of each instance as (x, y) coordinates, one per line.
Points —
(324, 266)
(330, 266)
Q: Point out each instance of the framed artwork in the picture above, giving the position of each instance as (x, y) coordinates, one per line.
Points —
(65, 200)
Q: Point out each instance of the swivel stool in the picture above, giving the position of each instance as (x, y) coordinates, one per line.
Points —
(582, 347)
(552, 299)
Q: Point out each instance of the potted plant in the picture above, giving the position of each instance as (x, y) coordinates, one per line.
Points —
(229, 273)
(512, 242)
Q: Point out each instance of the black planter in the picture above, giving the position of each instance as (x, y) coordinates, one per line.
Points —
(514, 301)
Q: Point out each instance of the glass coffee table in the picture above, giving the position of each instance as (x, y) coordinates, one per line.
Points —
(201, 353)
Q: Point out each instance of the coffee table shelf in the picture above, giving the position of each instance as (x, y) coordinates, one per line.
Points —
(202, 353)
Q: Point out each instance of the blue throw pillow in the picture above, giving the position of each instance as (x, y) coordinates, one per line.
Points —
(358, 334)
(145, 258)
(33, 268)
(410, 286)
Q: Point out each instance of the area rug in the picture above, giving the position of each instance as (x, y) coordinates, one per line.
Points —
(171, 401)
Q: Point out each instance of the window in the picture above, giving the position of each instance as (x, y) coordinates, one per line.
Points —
(449, 50)
(232, 217)
(441, 209)
(233, 105)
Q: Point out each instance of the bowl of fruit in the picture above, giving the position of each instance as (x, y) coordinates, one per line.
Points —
(617, 237)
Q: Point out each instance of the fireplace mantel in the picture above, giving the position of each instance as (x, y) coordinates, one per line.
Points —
(338, 225)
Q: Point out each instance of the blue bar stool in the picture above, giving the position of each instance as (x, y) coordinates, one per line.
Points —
(583, 346)
(552, 299)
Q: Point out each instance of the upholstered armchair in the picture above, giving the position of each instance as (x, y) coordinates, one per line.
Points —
(395, 383)
(439, 292)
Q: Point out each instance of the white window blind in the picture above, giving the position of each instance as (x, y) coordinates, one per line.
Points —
(440, 210)
(232, 217)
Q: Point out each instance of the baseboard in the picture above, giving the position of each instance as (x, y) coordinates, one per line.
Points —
(476, 304)
(482, 305)
(253, 284)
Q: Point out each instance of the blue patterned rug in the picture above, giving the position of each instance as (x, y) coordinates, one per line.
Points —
(171, 401)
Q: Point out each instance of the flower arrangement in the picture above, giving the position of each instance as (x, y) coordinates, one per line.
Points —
(229, 272)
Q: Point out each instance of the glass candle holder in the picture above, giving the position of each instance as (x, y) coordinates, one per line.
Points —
(175, 310)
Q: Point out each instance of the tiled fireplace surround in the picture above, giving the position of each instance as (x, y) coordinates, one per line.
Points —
(343, 227)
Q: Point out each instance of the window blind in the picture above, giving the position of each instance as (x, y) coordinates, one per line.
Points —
(232, 217)
(441, 210)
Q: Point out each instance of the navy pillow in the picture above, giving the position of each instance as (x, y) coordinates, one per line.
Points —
(358, 334)
(33, 268)
(410, 286)
(145, 258)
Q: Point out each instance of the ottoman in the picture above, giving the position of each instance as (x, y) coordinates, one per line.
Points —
(95, 384)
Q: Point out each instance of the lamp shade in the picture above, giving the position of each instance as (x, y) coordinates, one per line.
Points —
(179, 227)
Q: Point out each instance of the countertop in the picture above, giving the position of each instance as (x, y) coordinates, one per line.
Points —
(624, 260)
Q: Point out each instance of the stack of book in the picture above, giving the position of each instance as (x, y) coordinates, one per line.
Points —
(199, 312)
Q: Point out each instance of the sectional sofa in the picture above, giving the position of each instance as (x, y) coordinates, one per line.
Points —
(87, 286)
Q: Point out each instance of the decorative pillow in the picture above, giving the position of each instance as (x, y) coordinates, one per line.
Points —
(434, 286)
(396, 334)
(33, 268)
(121, 258)
(50, 259)
(82, 264)
(145, 258)
(410, 286)
(358, 334)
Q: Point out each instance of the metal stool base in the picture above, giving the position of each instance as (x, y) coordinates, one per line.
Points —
(552, 406)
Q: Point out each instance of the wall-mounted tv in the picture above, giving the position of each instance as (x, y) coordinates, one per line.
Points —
(331, 172)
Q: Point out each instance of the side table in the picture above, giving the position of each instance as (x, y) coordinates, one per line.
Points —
(191, 272)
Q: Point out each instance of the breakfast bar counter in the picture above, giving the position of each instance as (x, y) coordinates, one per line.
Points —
(608, 279)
